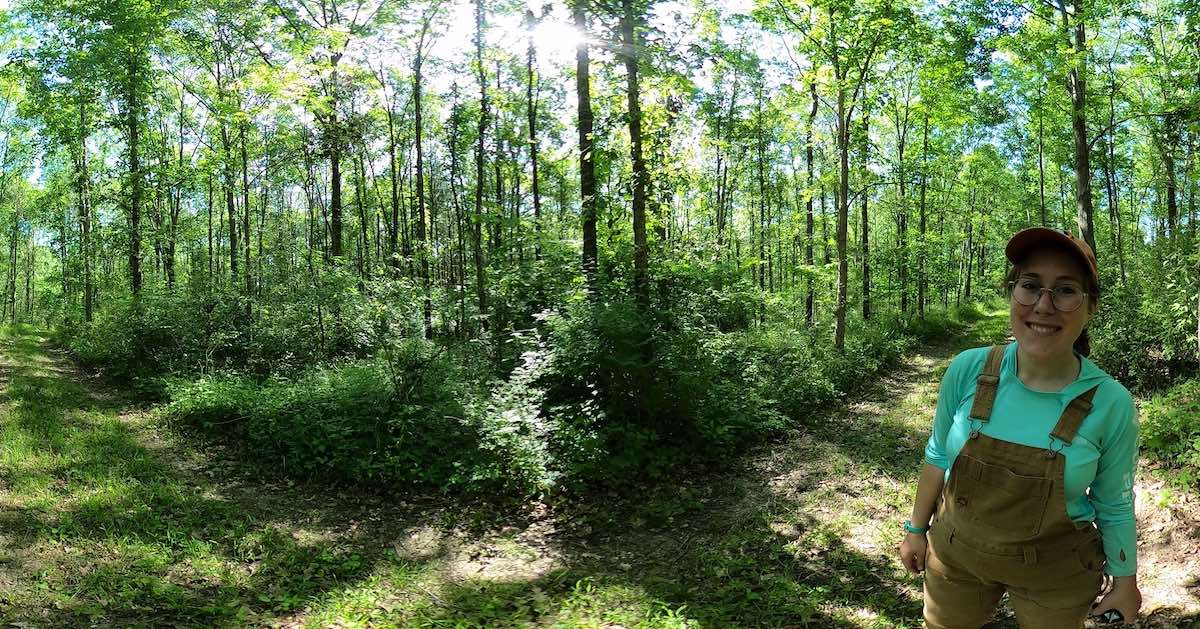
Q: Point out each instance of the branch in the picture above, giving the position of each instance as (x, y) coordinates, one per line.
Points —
(803, 31)
(1122, 121)
(862, 74)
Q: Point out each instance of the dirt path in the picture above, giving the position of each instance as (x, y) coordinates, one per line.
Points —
(108, 517)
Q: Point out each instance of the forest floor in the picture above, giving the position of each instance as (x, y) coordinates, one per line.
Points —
(109, 517)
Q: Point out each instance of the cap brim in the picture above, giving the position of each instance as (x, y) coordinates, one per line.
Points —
(1028, 239)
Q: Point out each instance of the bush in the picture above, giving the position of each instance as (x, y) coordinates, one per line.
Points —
(1142, 339)
(670, 388)
(361, 421)
(1169, 429)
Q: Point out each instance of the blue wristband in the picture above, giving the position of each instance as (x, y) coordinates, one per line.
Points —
(908, 526)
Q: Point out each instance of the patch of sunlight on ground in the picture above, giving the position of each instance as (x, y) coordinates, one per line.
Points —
(411, 594)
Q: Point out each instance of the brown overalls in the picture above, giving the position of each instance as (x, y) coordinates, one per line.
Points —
(1002, 525)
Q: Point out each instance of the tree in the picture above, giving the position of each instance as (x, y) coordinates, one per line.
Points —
(844, 39)
(631, 47)
(587, 169)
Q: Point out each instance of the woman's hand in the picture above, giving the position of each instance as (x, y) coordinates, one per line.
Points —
(1125, 597)
(912, 552)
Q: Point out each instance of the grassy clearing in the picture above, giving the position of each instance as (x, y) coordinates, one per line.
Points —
(107, 517)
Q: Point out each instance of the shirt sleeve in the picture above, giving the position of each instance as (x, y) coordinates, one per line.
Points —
(1111, 493)
(948, 397)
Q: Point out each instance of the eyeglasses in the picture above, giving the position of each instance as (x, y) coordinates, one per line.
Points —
(1065, 297)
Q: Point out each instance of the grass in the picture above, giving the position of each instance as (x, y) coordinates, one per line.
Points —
(107, 517)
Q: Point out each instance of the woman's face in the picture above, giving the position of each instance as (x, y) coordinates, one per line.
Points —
(1042, 330)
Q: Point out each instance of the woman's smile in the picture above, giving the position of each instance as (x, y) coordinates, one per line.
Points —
(1043, 329)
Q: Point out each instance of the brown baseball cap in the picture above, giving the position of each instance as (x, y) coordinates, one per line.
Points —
(1027, 240)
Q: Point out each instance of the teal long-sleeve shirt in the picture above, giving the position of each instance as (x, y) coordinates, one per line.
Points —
(1099, 462)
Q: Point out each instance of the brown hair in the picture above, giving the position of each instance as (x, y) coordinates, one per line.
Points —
(1083, 344)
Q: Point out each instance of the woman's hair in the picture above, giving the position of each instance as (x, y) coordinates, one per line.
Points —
(1083, 344)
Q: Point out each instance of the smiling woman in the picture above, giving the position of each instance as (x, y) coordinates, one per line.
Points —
(1027, 486)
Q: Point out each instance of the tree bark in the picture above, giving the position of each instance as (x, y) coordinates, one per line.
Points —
(132, 126)
(478, 219)
(423, 249)
(587, 168)
(1077, 86)
(83, 194)
(922, 280)
(249, 279)
(808, 205)
(531, 106)
(866, 218)
(641, 257)
(1041, 166)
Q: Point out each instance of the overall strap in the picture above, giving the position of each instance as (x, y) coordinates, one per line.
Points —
(1073, 416)
(986, 384)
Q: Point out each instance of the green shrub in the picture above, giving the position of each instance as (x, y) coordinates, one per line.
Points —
(1140, 338)
(1170, 430)
(360, 421)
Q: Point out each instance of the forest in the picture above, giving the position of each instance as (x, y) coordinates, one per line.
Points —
(554, 254)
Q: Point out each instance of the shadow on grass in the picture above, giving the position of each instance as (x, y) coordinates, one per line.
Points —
(880, 440)
(101, 527)
(109, 528)
(104, 526)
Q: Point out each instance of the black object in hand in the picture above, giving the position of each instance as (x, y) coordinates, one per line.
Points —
(1111, 616)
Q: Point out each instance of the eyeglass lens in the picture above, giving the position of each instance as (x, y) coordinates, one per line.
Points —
(1066, 298)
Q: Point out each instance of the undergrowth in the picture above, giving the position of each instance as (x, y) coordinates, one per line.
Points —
(599, 394)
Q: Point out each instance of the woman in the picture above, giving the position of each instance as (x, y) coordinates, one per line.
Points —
(1032, 455)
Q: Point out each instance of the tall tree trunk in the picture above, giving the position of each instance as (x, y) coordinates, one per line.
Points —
(922, 280)
(866, 218)
(587, 168)
(761, 269)
(423, 249)
(1170, 144)
(1077, 86)
(1041, 165)
(14, 235)
(132, 124)
(478, 219)
(641, 257)
(209, 190)
(249, 279)
(531, 106)
(230, 203)
(808, 205)
(902, 210)
(1110, 176)
(335, 165)
(83, 193)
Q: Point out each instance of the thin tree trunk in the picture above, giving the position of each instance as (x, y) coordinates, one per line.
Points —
(423, 249)
(83, 191)
(808, 205)
(866, 219)
(478, 219)
(1041, 165)
(249, 279)
(922, 280)
(531, 106)
(641, 256)
(587, 169)
(1077, 86)
(132, 124)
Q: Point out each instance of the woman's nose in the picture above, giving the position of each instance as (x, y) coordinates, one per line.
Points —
(1045, 301)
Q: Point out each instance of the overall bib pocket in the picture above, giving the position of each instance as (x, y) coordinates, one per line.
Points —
(998, 498)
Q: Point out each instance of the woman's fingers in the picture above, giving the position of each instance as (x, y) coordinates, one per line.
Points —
(912, 555)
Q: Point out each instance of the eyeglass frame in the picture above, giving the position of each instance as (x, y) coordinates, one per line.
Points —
(1013, 283)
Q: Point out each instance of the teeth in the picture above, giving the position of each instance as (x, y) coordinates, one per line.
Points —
(1042, 329)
